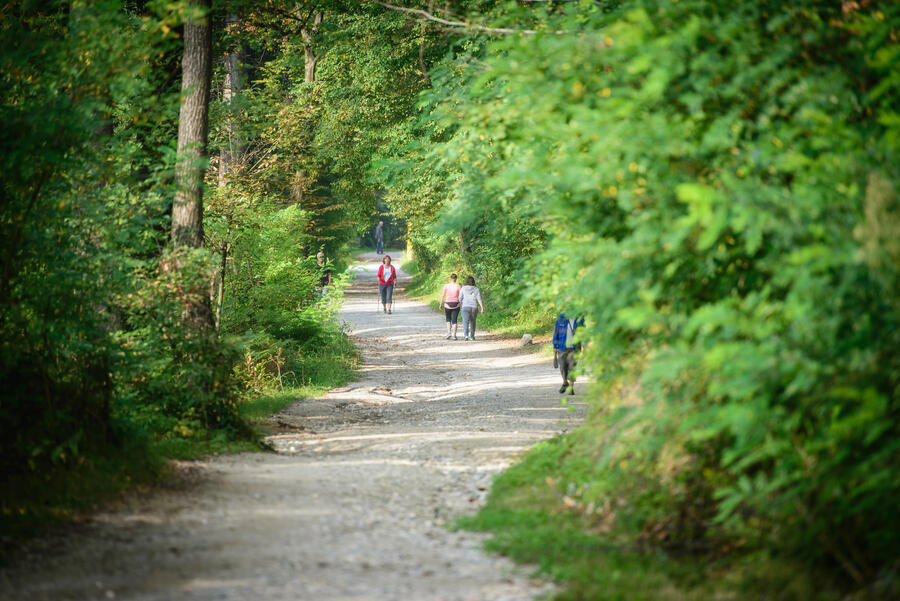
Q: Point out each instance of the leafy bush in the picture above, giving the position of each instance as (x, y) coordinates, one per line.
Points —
(718, 183)
(177, 379)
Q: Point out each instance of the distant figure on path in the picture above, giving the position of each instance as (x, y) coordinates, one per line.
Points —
(387, 275)
(564, 349)
(324, 272)
(450, 304)
(379, 237)
(470, 299)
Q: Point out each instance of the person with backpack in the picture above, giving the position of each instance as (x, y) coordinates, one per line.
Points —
(450, 304)
(387, 275)
(470, 300)
(564, 348)
(323, 270)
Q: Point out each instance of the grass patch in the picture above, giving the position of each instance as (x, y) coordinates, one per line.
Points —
(38, 500)
(536, 518)
(517, 322)
(352, 252)
(330, 366)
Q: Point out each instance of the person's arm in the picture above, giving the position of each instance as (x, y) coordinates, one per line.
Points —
(478, 296)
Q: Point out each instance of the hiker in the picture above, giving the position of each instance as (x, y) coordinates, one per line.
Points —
(470, 300)
(322, 268)
(379, 238)
(387, 275)
(564, 349)
(450, 304)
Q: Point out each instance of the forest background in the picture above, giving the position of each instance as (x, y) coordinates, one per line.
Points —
(712, 185)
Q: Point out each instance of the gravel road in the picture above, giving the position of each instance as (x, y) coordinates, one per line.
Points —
(355, 503)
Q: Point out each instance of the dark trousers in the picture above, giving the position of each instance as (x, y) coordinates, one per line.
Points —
(387, 293)
(452, 315)
(566, 364)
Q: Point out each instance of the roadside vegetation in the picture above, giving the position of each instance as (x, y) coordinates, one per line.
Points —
(159, 287)
(714, 187)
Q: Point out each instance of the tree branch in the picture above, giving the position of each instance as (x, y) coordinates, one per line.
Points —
(457, 25)
(595, 2)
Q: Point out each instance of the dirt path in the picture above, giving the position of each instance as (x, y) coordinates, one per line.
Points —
(353, 506)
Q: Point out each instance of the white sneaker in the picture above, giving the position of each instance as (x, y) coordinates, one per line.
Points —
(447, 336)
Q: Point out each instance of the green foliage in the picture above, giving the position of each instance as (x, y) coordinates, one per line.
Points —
(65, 223)
(715, 188)
(542, 512)
(104, 371)
(176, 380)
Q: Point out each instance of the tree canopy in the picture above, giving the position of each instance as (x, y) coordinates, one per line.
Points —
(713, 186)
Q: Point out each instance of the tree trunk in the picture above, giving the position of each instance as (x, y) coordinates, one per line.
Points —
(309, 76)
(193, 126)
(220, 301)
(232, 149)
(309, 54)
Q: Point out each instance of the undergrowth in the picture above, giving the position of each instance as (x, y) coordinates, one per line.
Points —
(271, 374)
(538, 514)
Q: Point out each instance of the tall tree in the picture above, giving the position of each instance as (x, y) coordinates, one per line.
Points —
(309, 53)
(232, 145)
(193, 127)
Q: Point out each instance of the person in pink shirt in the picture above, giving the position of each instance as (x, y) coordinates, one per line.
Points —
(450, 304)
(387, 275)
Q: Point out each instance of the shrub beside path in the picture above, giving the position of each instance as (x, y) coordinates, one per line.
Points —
(354, 505)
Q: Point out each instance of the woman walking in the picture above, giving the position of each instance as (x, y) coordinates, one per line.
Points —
(470, 300)
(450, 304)
(387, 275)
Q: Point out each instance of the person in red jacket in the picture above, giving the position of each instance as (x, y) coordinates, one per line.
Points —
(387, 275)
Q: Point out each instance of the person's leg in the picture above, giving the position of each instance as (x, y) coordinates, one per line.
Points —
(454, 318)
(472, 321)
(468, 316)
(382, 290)
(465, 320)
(570, 370)
(563, 370)
(447, 315)
(390, 296)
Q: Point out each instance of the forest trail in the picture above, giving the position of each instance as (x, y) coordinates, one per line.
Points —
(354, 504)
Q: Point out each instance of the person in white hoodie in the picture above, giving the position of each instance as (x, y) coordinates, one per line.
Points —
(470, 301)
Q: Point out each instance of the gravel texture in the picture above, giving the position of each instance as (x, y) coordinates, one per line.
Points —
(355, 503)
